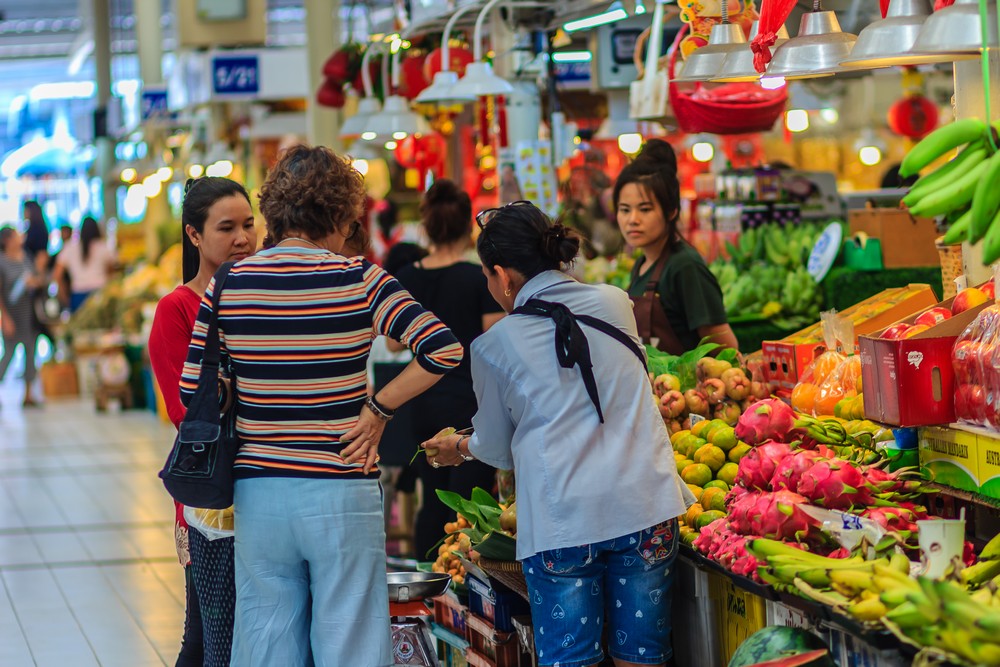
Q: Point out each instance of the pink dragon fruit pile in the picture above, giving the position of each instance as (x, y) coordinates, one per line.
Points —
(770, 514)
(769, 419)
(722, 544)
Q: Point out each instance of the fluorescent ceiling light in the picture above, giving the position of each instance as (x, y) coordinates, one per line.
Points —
(572, 57)
(610, 16)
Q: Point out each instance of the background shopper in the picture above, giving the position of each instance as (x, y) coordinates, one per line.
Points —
(455, 290)
(218, 227)
(297, 321)
(597, 486)
(678, 301)
(89, 262)
(18, 282)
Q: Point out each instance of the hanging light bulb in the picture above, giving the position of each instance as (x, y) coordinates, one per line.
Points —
(630, 143)
(888, 42)
(797, 120)
(703, 151)
(738, 65)
(816, 51)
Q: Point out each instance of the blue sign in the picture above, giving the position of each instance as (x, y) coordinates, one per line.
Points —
(236, 75)
(573, 72)
(154, 103)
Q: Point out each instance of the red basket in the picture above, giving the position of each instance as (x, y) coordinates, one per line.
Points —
(696, 111)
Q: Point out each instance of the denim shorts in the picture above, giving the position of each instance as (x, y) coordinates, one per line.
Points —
(626, 580)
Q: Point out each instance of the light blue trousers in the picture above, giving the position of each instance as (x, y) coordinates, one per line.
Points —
(310, 574)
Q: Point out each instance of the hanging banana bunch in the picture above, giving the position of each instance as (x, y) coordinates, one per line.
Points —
(966, 189)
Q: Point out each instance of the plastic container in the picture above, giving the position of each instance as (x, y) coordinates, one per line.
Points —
(450, 614)
(496, 603)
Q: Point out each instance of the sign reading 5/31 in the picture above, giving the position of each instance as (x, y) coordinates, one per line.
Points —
(235, 75)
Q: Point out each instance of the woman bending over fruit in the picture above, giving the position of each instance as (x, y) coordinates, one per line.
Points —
(582, 432)
(678, 302)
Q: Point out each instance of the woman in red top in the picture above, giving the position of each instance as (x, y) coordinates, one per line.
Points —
(218, 228)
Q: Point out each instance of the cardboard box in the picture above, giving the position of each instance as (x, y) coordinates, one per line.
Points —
(988, 459)
(787, 359)
(59, 379)
(738, 614)
(911, 382)
(906, 241)
(950, 456)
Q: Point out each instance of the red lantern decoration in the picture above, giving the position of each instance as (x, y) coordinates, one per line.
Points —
(331, 94)
(458, 58)
(412, 80)
(913, 116)
(425, 152)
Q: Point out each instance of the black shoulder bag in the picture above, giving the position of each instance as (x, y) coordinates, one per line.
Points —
(199, 469)
(572, 348)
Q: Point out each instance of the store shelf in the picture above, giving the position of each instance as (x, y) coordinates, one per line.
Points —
(966, 496)
(749, 585)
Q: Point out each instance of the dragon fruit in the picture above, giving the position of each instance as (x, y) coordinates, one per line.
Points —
(897, 519)
(720, 543)
(758, 466)
(769, 419)
(791, 468)
(834, 484)
(775, 515)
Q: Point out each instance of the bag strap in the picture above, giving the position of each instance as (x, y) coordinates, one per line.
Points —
(204, 405)
(572, 347)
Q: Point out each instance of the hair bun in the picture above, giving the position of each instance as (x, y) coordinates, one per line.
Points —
(442, 191)
(560, 243)
(658, 152)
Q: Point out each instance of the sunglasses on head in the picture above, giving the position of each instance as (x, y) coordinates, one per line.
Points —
(483, 217)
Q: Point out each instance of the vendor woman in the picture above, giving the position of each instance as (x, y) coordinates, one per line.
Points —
(678, 302)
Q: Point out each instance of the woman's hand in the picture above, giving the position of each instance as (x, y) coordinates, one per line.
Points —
(443, 451)
(363, 440)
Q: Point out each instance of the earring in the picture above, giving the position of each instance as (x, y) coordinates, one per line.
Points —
(506, 292)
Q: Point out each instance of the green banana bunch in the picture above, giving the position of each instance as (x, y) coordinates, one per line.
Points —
(939, 142)
(952, 196)
(971, 154)
(960, 230)
(985, 200)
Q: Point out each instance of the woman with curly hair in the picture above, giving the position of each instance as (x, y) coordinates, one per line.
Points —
(297, 321)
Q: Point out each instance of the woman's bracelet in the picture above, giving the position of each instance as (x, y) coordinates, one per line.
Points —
(382, 413)
(458, 448)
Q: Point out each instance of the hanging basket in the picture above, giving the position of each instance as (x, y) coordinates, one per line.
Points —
(735, 108)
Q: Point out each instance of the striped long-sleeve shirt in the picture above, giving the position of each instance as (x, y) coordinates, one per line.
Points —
(297, 324)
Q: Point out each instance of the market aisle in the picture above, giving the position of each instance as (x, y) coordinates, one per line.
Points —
(88, 572)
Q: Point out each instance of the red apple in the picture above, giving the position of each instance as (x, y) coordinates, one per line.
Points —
(989, 289)
(914, 330)
(896, 331)
(964, 358)
(968, 298)
(935, 315)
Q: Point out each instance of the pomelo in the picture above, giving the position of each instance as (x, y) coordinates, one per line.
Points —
(738, 452)
(725, 439)
(711, 456)
(727, 473)
(698, 474)
(683, 463)
(696, 490)
(691, 517)
(713, 499)
(708, 516)
(717, 484)
(674, 437)
(698, 429)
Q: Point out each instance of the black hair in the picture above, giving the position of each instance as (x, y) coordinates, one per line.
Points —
(6, 232)
(655, 171)
(36, 238)
(447, 212)
(200, 194)
(523, 238)
(402, 254)
(89, 232)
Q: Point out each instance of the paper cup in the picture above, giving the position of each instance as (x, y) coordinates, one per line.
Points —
(940, 540)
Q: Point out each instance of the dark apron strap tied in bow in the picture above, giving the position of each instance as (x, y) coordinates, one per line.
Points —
(572, 347)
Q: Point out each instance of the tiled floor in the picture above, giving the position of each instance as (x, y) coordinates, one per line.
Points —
(88, 572)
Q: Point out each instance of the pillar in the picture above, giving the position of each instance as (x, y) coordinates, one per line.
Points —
(149, 44)
(102, 75)
(322, 37)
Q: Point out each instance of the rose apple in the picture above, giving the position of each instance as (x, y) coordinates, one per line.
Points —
(964, 359)
(914, 330)
(935, 315)
(896, 331)
(968, 298)
(977, 403)
(989, 289)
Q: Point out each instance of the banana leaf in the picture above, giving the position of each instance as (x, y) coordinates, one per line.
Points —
(498, 546)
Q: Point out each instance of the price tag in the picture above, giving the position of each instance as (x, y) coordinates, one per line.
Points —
(236, 75)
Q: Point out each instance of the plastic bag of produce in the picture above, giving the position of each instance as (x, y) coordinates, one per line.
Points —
(977, 375)
(213, 524)
(806, 397)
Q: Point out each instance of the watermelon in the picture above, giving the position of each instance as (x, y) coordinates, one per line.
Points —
(778, 642)
(818, 658)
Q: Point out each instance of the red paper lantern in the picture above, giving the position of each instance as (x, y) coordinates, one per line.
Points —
(458, 58)
(913, 117)
(411, 77)
(331, 94)
(423, 152)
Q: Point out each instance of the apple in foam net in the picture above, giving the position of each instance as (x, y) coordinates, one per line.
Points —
(896, 331)
(935, 315)
(968, 298)
(914, 330)
(989, 289)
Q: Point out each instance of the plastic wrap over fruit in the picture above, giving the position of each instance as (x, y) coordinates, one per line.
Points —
(806, 394)
(977, 372)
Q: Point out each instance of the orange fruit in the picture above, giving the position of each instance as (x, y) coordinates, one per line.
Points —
(826, 402)
(711, 456)
(823, 365)
(804, 397)
(691, 517)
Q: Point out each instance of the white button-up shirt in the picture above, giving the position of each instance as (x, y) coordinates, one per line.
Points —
(578, 481)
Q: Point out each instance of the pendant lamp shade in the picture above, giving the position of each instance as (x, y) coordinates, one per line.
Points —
(357, 124)
(396, 118)
(705, 62)
(816, 51)
(738, 64)
(888, 42)
(480, 81)
(441, 90)
(954, 33)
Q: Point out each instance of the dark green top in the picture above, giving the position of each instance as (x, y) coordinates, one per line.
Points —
(690, 294)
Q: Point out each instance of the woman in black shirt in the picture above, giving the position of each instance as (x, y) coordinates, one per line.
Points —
(454, 289)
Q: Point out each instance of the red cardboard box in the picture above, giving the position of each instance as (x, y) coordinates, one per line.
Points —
(785, 360)
(911, 382)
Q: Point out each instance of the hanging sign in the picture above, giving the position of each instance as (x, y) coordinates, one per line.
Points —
(236, 75)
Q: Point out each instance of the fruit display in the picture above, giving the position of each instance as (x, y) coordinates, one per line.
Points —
(697, 384)
(456, 544)
(963, 189)
(780, 646)
(765, 275)
(831, 385)
(616, 271)
(483, 524)
(976, 362)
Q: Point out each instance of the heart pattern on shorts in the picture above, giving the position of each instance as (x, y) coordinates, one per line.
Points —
(558, 612)
(579, 583)
(622, 637)
(584, 620)
(629, 561)
(656, 595)
(638, 614)
(568, 641)
(621, 581)
(642, 650)
(538, 598)
(595, 589)
(618, 604)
